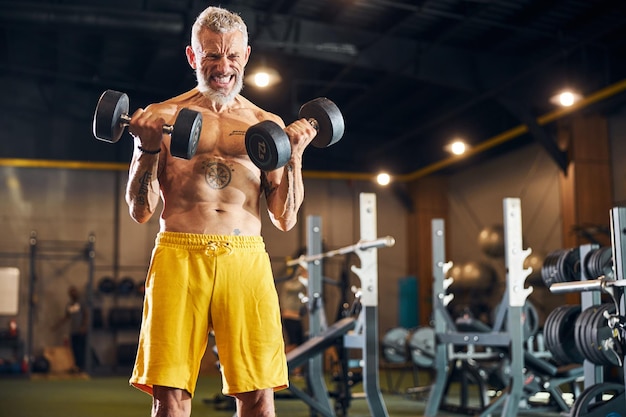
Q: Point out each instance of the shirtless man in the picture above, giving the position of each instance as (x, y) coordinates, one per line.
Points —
(209, 268)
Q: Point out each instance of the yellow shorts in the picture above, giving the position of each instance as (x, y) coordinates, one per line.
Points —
(201, 282)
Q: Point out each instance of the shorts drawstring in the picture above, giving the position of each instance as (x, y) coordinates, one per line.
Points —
(213, 247)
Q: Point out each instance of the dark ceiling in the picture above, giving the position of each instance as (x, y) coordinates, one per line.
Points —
(408, 75)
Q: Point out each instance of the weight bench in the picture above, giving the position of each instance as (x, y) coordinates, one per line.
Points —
(317, 344)
(316, 395)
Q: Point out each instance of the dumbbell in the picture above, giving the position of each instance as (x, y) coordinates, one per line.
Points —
(268, 145)
(111, 117)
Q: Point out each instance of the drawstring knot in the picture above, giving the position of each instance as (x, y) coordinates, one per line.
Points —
(218, 248)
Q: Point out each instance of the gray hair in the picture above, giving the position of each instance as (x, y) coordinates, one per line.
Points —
(218, 20)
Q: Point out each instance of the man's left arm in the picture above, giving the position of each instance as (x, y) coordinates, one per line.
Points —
(284, 187)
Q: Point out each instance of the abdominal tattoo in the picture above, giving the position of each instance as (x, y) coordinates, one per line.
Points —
(144, 182)
(216, 174)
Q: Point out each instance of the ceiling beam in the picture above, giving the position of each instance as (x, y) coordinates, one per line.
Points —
(91, 18)
(524, 114)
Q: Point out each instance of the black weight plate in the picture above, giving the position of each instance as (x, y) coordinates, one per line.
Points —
(580, 330)
(186, 134)
(589, 337)
(568, 266)
(591, 402)
(549, 337)
(601, 331)
(566, 335)
(548, 269)
(268, 145)
(106, 285)
(329, 119)
(556, 346)
(107, 123)
(600, 263)
(565, 330)
(554, 333)
(554, 343)
(126, 286)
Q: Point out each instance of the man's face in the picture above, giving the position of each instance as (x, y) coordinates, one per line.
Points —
(219, 60)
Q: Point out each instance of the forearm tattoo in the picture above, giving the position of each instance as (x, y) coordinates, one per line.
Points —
(291, 198)
(268, 186)
(144, 186)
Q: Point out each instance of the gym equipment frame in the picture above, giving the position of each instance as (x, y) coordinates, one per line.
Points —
(592, 403)
(360, 333)
(506, 338)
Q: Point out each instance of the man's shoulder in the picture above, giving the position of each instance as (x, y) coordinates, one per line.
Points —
(184, 99)
(171, 106)
(261, 114)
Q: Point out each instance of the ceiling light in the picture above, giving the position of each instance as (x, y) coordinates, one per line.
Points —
(383, 179)
(457, 147)
(566, 98)
(263, 77)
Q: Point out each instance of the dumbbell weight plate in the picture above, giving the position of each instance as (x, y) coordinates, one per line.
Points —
(268, 145)
(330, 122)
(107, 120)
(186, 133)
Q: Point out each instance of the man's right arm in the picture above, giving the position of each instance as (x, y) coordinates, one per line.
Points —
(142, 190)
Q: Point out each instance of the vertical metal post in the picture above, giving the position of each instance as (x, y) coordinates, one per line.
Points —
(315, 372)
(368, 273)
(31, 301)
(439, 299)
(618, 243)
(90, 256)
(593, 374)
(517, 295)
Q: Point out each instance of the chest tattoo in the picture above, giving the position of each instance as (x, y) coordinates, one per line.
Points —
(217, 175)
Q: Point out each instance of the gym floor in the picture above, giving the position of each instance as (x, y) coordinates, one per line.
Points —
(72, 396)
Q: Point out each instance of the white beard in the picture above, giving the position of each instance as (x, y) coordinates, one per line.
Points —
(217, 96)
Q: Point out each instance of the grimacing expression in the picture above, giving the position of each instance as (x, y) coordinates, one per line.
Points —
(219, 60)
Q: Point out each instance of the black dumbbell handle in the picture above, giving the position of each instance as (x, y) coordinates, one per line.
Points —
(125, 121)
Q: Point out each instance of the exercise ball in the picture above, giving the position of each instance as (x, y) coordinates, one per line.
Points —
(472, 275)
(455, 272)
(479, 275)
(491, 241)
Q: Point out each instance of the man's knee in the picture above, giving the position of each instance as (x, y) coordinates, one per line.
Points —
(256, 403)
(170, 402)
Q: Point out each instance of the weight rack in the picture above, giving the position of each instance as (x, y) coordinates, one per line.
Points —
(507, 332)
(364, 337)
(591, 403)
